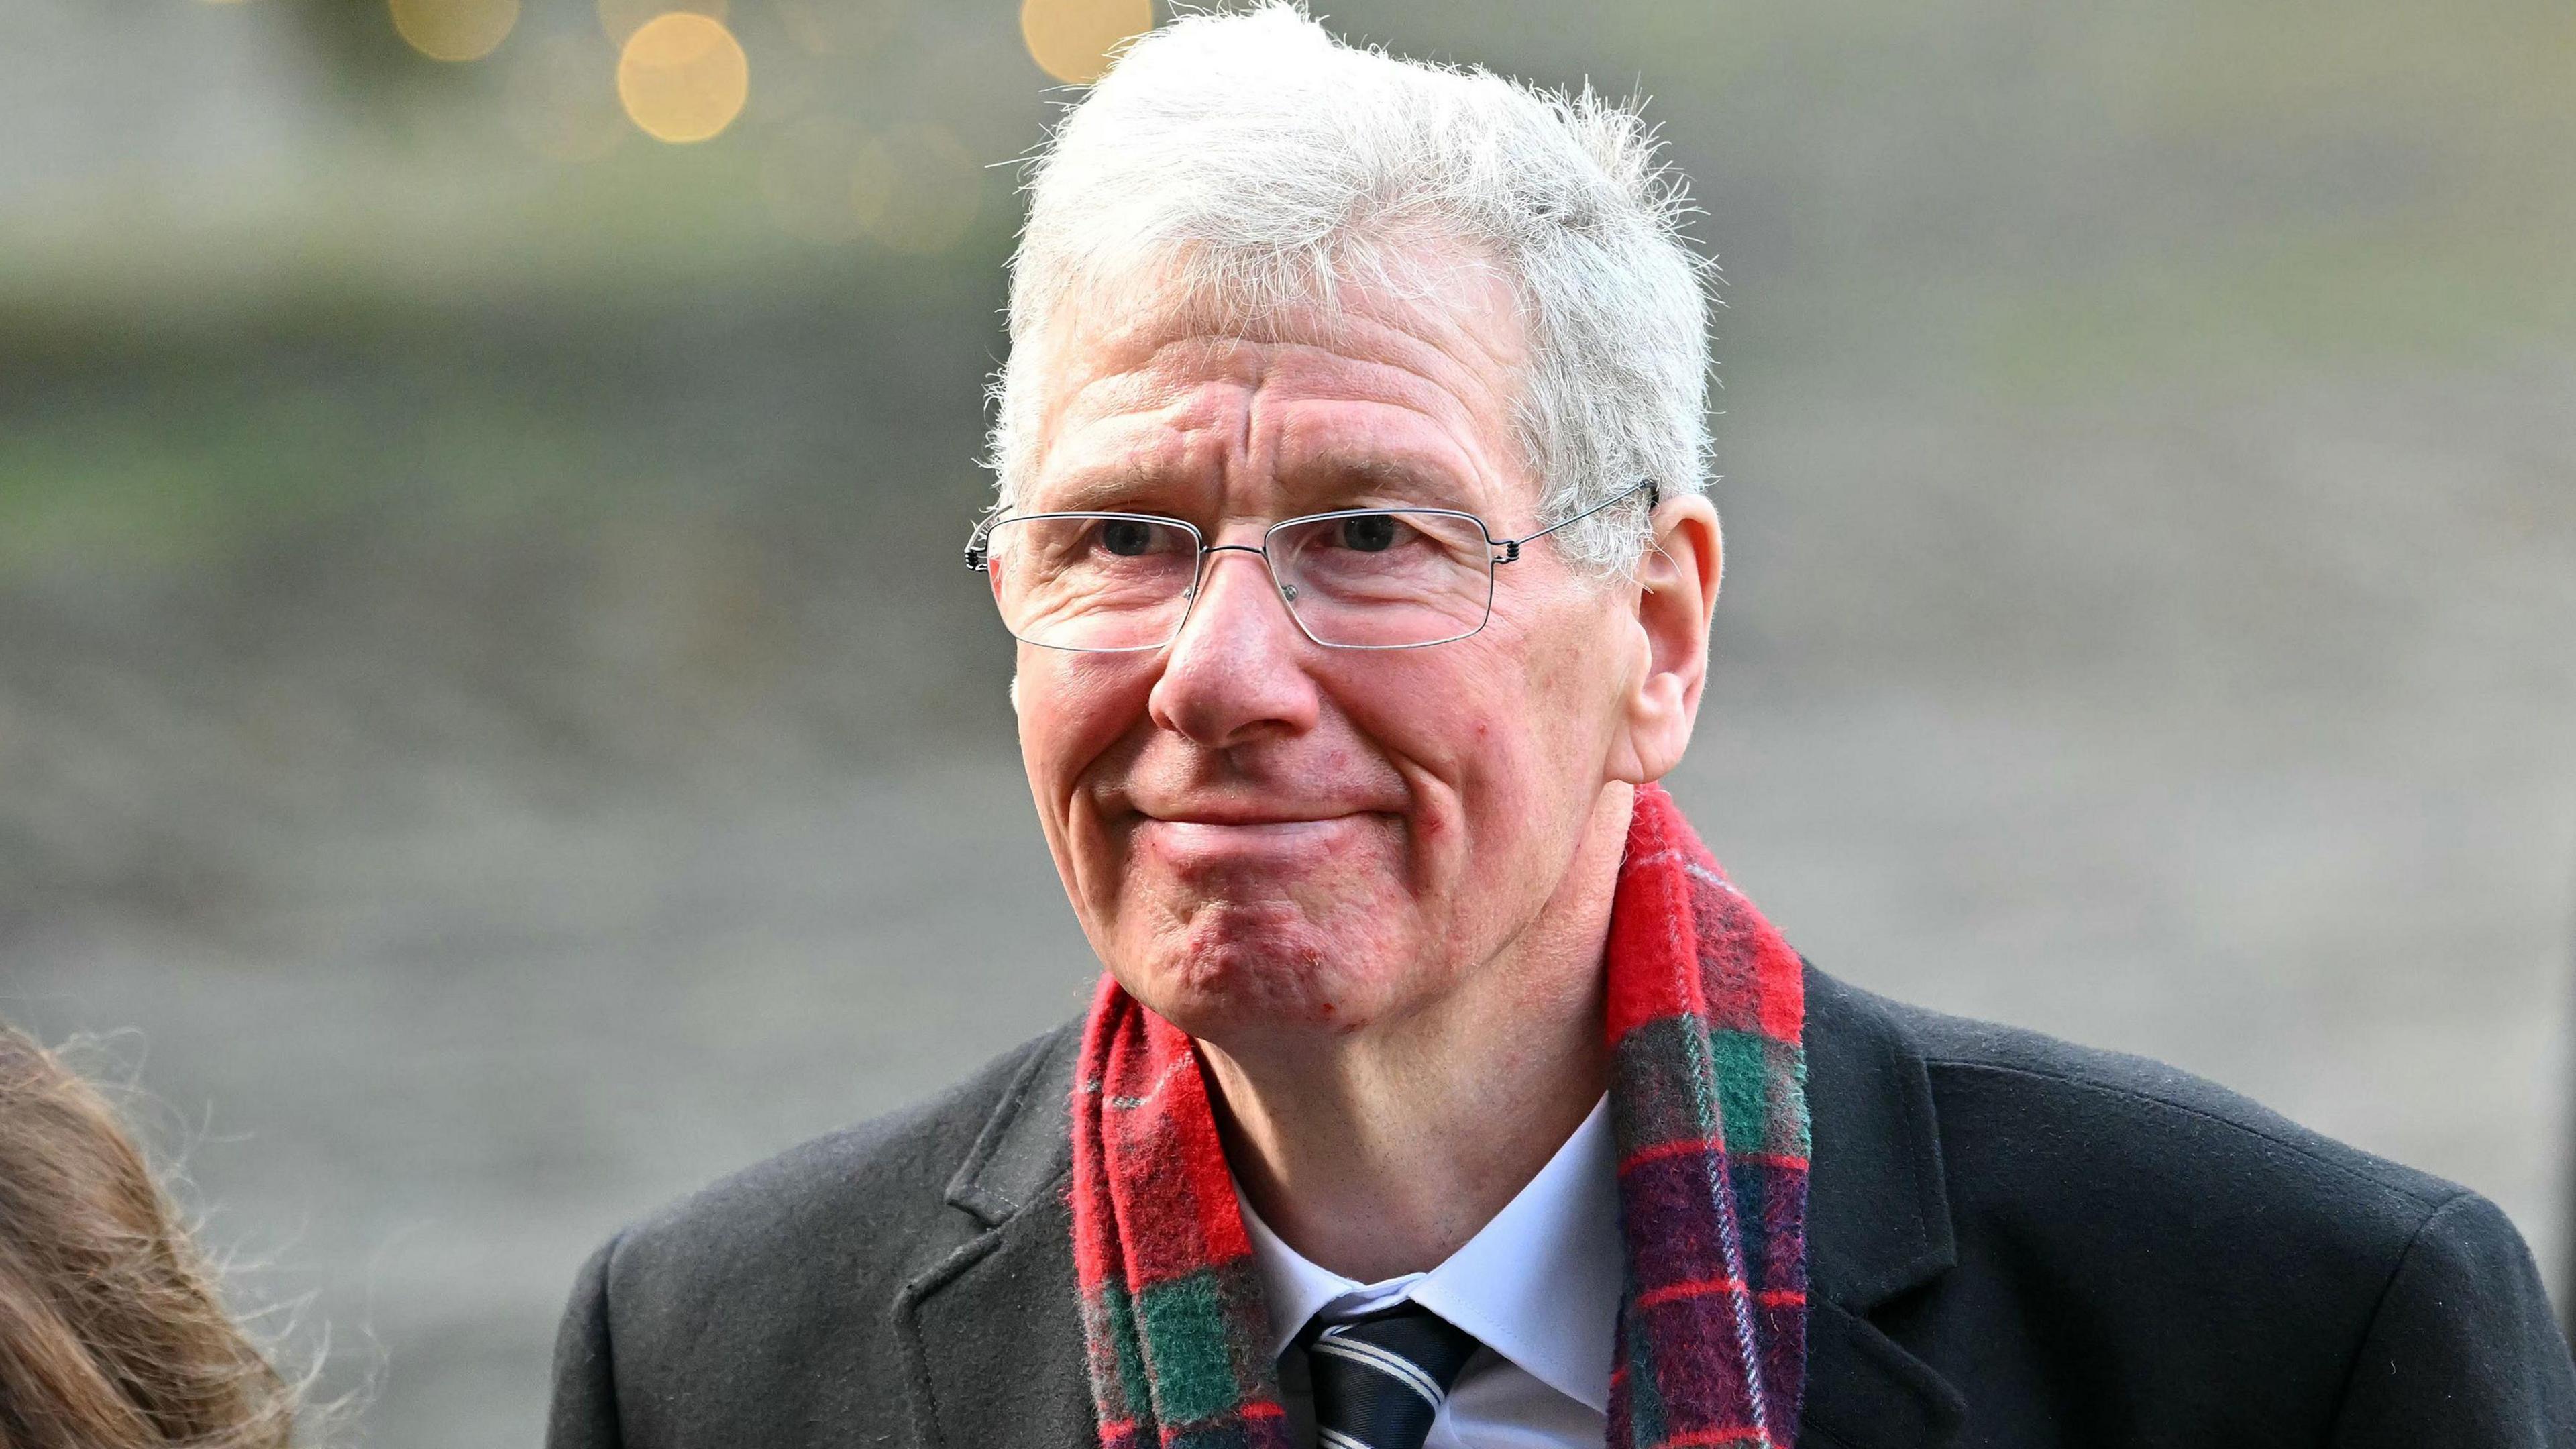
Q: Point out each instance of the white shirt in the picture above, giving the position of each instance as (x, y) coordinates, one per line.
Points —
(1538, 1286)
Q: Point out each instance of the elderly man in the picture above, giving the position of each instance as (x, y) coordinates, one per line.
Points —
(1440, 1091)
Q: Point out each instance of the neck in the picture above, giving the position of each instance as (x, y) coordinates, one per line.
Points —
(1381, 1152)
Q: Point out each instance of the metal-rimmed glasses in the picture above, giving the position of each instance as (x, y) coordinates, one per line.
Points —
(1357, 578)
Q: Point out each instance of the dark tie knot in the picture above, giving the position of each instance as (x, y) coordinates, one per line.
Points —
(1380, 1380)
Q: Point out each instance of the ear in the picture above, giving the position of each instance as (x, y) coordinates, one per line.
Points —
(1676, 592)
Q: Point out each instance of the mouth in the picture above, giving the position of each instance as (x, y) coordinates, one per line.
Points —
(1204, 839)
(1242, 820)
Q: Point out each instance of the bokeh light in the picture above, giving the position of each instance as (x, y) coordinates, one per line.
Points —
(683, 77)
(562, 99)
(917, 189)
(1071, 39)
(622, 18)
(454, 29)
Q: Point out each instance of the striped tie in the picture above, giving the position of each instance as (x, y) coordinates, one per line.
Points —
(1380, 1380)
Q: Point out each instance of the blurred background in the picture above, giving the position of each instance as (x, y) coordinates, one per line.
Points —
(494, 733)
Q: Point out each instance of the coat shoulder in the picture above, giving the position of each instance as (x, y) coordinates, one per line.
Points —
(2025, 1114)
(2157, 1107)
(2105, 1221)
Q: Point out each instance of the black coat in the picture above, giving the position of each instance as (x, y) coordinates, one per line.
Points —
(2012, 1241)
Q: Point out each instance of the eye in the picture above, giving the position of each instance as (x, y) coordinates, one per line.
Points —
(1368, 532)
(1127, 537)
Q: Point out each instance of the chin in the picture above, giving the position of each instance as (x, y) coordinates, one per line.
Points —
(1230, 973)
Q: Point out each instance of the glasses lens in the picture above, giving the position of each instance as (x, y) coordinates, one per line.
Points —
(1386, 580)
(1092, 580)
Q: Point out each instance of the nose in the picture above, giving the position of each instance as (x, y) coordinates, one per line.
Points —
(1237, 672)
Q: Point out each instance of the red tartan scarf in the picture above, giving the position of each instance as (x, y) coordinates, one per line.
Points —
(1708, 1105)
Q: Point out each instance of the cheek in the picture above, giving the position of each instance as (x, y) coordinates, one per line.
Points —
(1462, 730)
(1480, 723)
(1073, 708)
(1514, 736)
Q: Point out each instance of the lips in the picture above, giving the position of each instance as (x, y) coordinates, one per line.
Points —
(1244, 809)
(1267, 842)
(1239, 820)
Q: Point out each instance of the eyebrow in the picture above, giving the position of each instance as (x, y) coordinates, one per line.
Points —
(1320, 482)
(1394, 477)
(1088, 492)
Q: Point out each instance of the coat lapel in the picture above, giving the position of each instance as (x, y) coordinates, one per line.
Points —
(1878, 1224)
(993, 1331)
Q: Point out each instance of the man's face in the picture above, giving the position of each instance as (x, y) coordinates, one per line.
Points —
(1260, 833)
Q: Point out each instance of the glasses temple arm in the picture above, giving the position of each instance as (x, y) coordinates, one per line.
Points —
(1511, 547)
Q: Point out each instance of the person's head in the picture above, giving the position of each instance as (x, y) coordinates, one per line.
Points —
(1264, 276)
(112, 1335)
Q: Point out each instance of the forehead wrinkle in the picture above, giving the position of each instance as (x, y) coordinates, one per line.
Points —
(1473, 371)
(1455, 432)
(1117, 456)
(1157, 384)
(1326, 412)
(1431, 464)
(1117, 409)
(1456, 366)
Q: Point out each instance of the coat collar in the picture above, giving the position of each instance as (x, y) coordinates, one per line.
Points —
(1026, 1148)
(1878, 1205)
(992, 1333)
(1878, 1226)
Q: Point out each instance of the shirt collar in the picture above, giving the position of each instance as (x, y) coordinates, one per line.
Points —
(1539, 1284)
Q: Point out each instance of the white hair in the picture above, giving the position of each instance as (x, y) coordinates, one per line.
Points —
(1251, 160)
